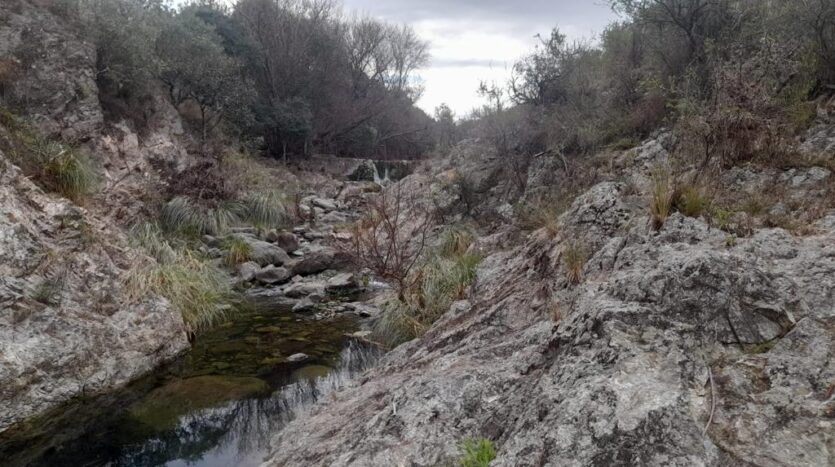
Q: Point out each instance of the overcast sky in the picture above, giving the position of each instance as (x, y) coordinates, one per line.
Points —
(479, 40)
(474, 40)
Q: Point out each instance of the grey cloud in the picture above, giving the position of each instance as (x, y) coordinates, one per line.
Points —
(583, 15)
(466, 63)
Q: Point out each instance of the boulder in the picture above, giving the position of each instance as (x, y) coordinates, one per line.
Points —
(304, 305)
(313, 263)
(342, 283)
(287, 242)
(264, 253)
(304, 288)
(272, 275)
(325, 204)
(248, 270)
(298, 357)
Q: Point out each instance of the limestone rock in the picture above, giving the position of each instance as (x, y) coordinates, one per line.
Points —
(264, 253)
(341, 283)
(68, 326)
(304, 305)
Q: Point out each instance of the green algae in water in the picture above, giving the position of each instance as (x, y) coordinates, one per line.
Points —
(229, 370)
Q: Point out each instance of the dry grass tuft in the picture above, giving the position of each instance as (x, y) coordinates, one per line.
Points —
(574, 258)
(661, 201)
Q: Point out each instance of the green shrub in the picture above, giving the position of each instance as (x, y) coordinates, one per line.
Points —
(441, 281)
(476, 452)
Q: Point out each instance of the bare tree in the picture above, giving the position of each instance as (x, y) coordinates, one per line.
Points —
(392, 236)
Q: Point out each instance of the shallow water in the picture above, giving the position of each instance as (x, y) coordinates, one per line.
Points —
(215, 406)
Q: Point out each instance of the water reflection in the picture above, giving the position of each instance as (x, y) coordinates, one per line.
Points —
(204, 410)
(239, 432)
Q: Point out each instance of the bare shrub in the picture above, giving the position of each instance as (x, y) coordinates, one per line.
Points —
(391, 236)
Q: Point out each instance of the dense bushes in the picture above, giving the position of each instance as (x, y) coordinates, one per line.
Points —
(733, 78)
(295, 75)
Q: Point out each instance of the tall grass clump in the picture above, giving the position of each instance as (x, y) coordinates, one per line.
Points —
(455, 241)
(181, 215)
(443, 278)
(661, 197)
(574, 258)
(194, 287)
(55, 166)
(476, 452)
(267, 210)
(692, 201)
(237, 251)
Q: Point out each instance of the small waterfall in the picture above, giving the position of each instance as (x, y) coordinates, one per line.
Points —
(380, 180)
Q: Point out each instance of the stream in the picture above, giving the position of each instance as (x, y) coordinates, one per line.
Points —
(217, 405)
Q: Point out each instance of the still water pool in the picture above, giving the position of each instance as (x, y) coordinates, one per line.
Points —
(217, 405)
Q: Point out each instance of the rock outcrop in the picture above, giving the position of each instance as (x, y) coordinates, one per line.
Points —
(68, 326)
(677, 347)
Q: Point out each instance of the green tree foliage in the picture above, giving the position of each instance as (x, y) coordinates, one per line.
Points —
(195, 68)
(297, 75)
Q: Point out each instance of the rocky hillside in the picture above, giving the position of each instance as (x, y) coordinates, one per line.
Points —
(68, 325)
(685, 345)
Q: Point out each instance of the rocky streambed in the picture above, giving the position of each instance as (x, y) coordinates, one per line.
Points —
(296, 333)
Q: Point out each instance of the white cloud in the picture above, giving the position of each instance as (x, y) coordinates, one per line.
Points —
(473, 41)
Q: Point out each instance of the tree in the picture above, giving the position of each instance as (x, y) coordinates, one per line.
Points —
(195, 67)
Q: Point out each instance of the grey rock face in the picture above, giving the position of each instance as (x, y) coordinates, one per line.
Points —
(666, 329)
(68, 326)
